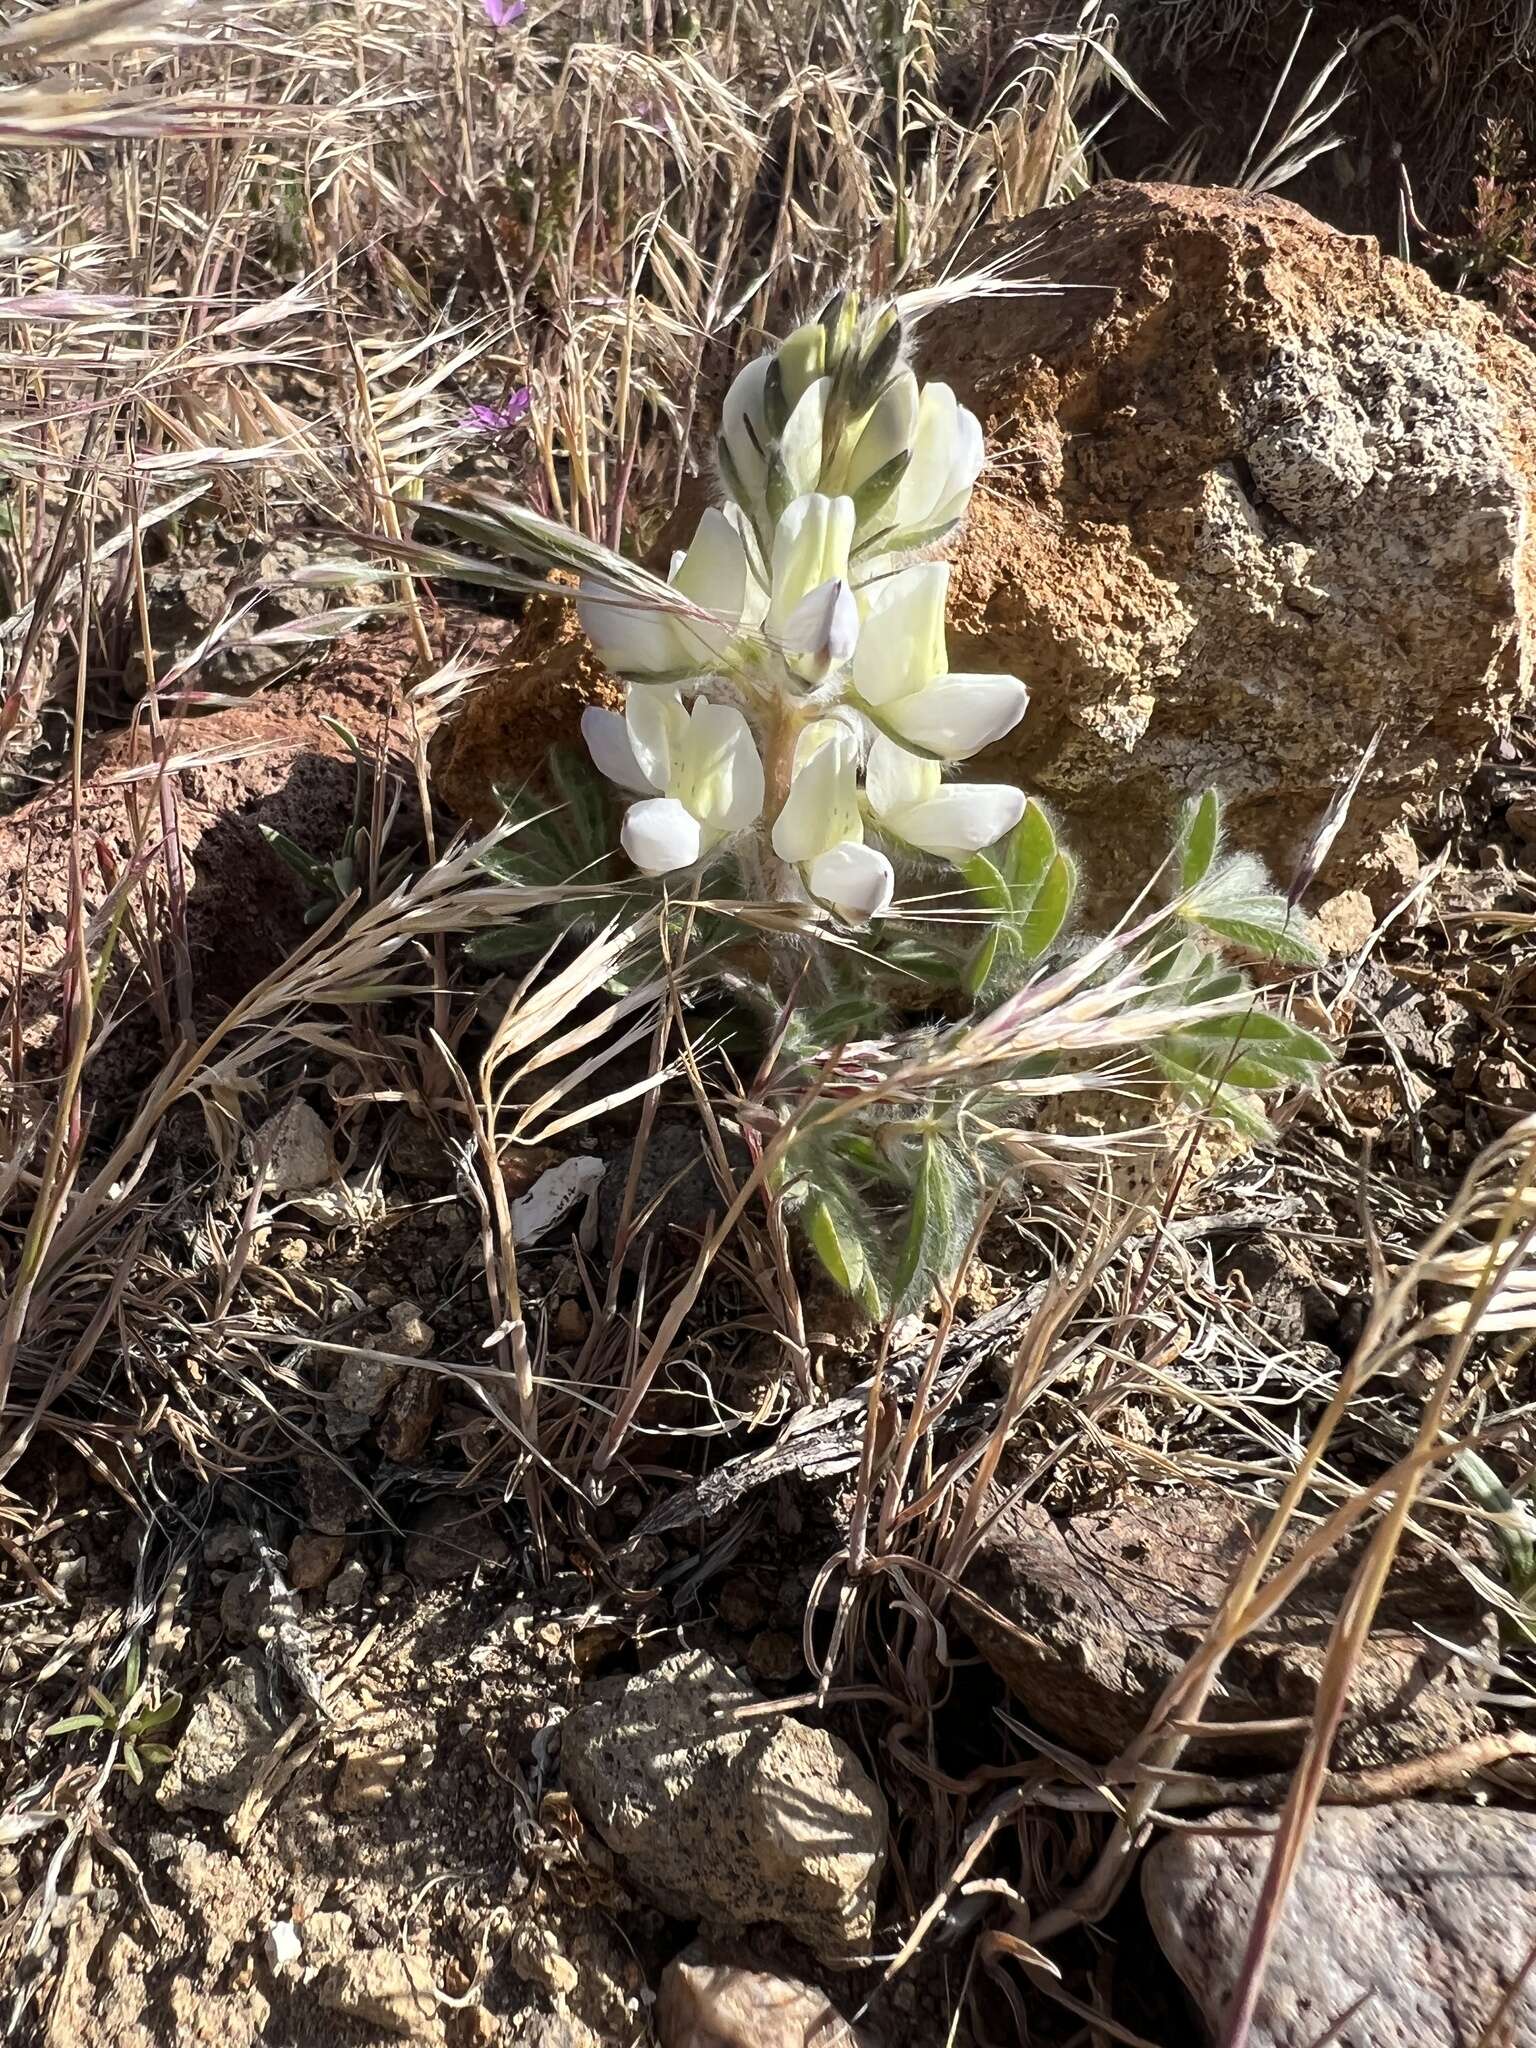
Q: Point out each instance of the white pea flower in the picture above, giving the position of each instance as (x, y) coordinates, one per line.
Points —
(947, 455)
(910, 799)
(900, 672)
(634, 638)
(819, 828)
(802, 360)
(812, 613)
(696, 769)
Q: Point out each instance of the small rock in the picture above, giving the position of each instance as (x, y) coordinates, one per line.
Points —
(533, 1951)
(718, 2005)
(450, 1539)
(245, 1605)
(571, 1323)
(361, 1387)
(384, 1989)
(346, 1590)
(333, 1500)
(1345, 923)
(366, 1779)
(639, 1562)
(202, 2019)
(413, 1408)
(409, 1334)
(327, 1937)
(1390, 870)
(298, 1149)
(738, 1821)
(282, 1944)
(313, 1558)
(1427, 1911)
(226, 1543)
(529, 2029)
(223, 1746)
(774, 1657)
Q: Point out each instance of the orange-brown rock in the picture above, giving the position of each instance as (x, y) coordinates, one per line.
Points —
(543, 680)
(1255, 490)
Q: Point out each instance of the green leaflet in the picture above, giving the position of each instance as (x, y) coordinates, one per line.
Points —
(835, 1239)
(1226, 1105)
(1029, 889)
(1250, 1049)
(1231, 897)
(1199, 837)
(945, 1202)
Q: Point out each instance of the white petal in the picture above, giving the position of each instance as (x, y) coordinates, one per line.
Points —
(822, 806)
(660, 835)
(961, 819)
(890, 428)
(895, 779)
(810, 546)
(717, 773)
(713, 574)
(970, 451)
(800, 443)
(714, 570)
(958, 716)
(843, 631)
(901, 642)
(824, 626)
(744, 403)
(658, 727)
(632, 638)
(802, 359)
(607, 738)
(854, 880)
(926, 483)
(835, 730)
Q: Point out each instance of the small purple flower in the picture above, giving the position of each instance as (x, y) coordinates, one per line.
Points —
(498, 419)
(502, 13)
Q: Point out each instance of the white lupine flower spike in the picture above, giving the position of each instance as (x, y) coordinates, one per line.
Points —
(806, 643)
(789, 732)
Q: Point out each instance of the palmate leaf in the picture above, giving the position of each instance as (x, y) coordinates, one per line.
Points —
(1251, 1049)
(1029, 890)
(1230, 896)
(1223, 1104)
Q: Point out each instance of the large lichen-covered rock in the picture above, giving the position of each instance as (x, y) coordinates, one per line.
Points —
(1406, 1924)
(725, 1819)
(1255, 490)
(1090, 1619)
